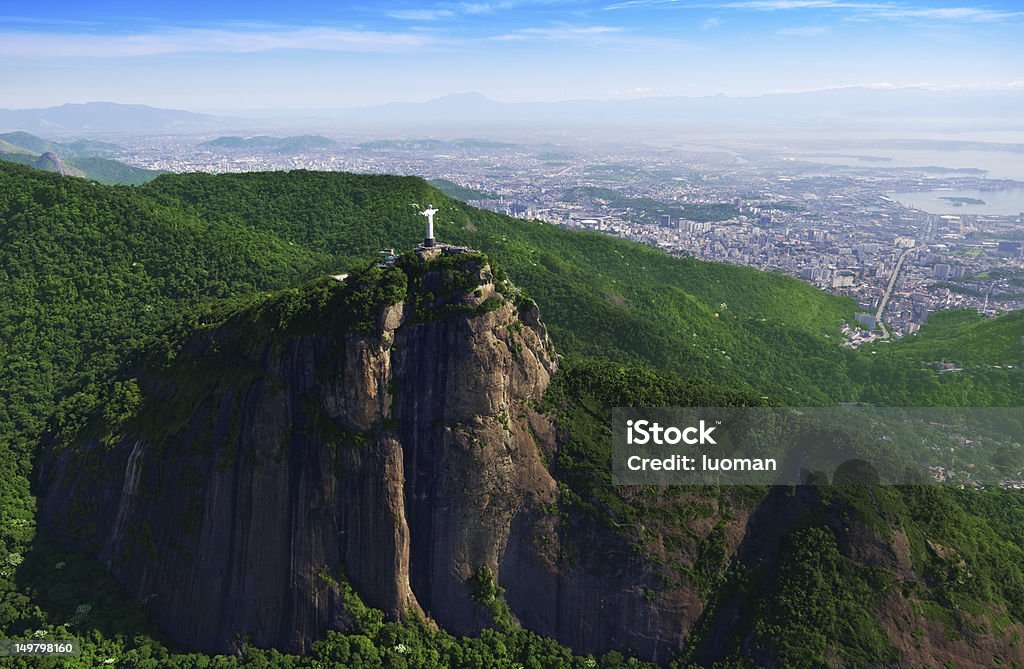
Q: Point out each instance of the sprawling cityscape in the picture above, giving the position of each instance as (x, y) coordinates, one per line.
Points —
(590, 334)
(839, 226)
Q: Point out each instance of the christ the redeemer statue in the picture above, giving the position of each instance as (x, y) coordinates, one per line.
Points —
(429, 213)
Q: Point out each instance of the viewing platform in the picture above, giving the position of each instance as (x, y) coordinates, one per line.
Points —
(424, 252)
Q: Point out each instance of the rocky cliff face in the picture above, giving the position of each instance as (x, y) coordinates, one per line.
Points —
(382, 433)
(51, 162)
(402, 456)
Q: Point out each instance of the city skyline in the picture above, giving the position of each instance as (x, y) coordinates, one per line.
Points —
(258, 55)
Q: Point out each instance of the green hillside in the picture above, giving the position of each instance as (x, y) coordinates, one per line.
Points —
(454, 190)
(36, 145)
(6, 147)
(112, 172)
(600, 295)
(758, 331)
(86, 156)
(18, 157)
(101, 170)
(88, 273)
(282, 144)
(28, 143)
(967, 338)
(92, 147)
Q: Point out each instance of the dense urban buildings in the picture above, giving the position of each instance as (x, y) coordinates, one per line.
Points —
(835, 220)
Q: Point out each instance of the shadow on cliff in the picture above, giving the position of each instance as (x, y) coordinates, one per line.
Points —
(73, 589)
(721, 629)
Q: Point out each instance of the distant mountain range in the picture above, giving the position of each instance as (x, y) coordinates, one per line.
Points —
(841, 108)
(846, 107)
(106, 117)
(281, 144)
(78, 147)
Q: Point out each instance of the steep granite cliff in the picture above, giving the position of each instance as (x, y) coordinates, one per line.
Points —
(384, 435)
(379, 431)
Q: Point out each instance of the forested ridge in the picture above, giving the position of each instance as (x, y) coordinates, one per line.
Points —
(89, 273)
(90, 157)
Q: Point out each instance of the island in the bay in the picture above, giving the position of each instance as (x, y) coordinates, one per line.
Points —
(961, 201)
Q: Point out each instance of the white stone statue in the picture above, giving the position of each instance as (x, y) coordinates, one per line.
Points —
(429, 213)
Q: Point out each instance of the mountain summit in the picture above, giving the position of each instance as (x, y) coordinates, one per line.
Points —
(375, 431)
(269, 456)
(105, 117)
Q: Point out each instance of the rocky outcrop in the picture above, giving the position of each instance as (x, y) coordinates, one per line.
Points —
(388, 438)
(51, 162)
(402, 458)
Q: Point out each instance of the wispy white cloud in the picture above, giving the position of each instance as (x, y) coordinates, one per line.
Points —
(598, 36)
(421, 14)
(709, 23)
(559, 33)
(484, 7)
(863, 10)
(452, 9)
(887, 10)
(752, 5)
(34, 20)
(803, 31)
(30, 45)
(628, 4)
(782, 5)
(969, 14)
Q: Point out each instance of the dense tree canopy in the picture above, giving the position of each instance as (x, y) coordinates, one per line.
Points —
(89, 274)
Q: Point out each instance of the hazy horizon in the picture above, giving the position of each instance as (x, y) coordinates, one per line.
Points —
(1008, 89)
(239, 56)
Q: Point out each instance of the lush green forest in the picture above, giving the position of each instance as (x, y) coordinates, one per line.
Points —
(603, 296)
(88, 274)
(454, 190)
(107, 171)
(967, 338)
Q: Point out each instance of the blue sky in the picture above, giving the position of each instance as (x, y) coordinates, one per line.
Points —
(294, 53)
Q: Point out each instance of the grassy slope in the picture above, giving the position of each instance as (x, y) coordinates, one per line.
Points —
(968, 338)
